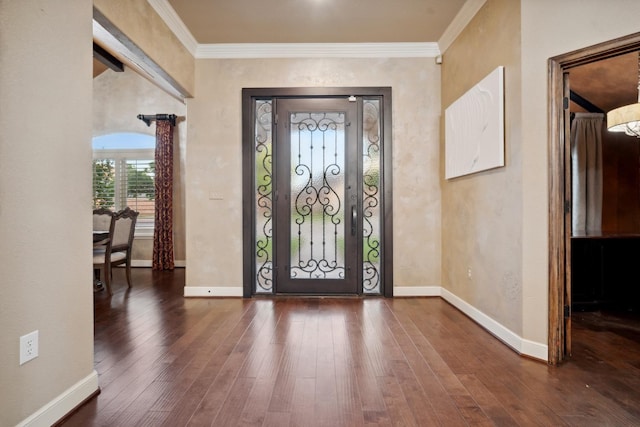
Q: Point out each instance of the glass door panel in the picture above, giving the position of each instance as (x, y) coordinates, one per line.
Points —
(317, 145)
(317, 214)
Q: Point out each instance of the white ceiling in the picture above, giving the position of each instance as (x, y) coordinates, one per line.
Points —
(316, 21)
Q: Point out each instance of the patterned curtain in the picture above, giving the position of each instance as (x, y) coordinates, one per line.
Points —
(163, 231)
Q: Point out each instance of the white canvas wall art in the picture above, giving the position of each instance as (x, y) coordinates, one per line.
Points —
(474, 128)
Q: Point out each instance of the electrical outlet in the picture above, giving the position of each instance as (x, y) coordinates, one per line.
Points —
(469, 272)
(28, 347)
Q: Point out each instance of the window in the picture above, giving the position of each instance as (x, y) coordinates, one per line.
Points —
(124, 175)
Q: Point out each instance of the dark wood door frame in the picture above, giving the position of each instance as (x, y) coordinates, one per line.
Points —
(249, 95)
(560, 186)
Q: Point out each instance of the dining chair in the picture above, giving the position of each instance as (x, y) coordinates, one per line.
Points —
(117, 251)
(101, 223)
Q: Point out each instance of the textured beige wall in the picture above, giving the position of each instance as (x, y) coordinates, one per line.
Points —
(551, 28)
(117, 100)
(45, 249)
(482, 212)
(142, 25)
(214, 158)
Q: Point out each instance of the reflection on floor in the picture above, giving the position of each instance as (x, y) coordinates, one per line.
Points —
(607, 344)
(167, 360)
(624, 324)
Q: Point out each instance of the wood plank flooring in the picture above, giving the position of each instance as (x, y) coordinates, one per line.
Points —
(166, 360)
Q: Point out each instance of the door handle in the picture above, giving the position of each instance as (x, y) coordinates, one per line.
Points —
(354, 220)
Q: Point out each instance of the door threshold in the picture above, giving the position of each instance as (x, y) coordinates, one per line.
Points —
(315, 296)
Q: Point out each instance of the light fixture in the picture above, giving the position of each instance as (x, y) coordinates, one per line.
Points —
(626, 118)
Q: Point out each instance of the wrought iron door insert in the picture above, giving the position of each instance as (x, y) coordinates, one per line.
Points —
(318, 215)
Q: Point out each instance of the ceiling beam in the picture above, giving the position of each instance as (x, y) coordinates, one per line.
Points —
(107, 59)
(585, 103)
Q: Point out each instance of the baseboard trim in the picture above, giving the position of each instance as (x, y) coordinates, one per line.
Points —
(417, 291)
(511, 339)
(212, 291)
(233, 291)
(59, 407)
(535, 350)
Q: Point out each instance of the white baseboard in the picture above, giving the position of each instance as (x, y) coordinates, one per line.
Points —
(535, 350)
(417, 291)
(213, 291)
(235, 291)
(513, 340)
(53, 411)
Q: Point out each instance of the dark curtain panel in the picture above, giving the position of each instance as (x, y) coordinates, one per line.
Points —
(163, 232)
(586, 172)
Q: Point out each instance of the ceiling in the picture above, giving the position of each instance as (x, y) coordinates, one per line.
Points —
(607, 84)
(310, 21)
(316, 21)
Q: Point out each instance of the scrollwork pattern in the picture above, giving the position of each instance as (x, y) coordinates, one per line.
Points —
(264, 198)
(317, 203)
(371, 197)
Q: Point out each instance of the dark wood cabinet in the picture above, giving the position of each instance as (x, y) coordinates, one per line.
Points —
(605, 272)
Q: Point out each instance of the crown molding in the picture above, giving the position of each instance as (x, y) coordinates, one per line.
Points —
(317, 50)
(461, 20)
(175, 24)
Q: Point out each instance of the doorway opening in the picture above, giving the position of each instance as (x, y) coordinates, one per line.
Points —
(317, 215)
(560, 186)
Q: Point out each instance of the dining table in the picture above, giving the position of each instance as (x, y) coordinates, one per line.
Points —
(100, 239)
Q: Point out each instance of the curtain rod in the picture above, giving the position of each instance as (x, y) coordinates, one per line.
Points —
(147, 118)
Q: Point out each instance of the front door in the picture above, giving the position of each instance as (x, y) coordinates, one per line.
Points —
(317, 184)
(317, 197)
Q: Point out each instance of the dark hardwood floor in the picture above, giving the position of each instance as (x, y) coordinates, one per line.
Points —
(166, 360)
